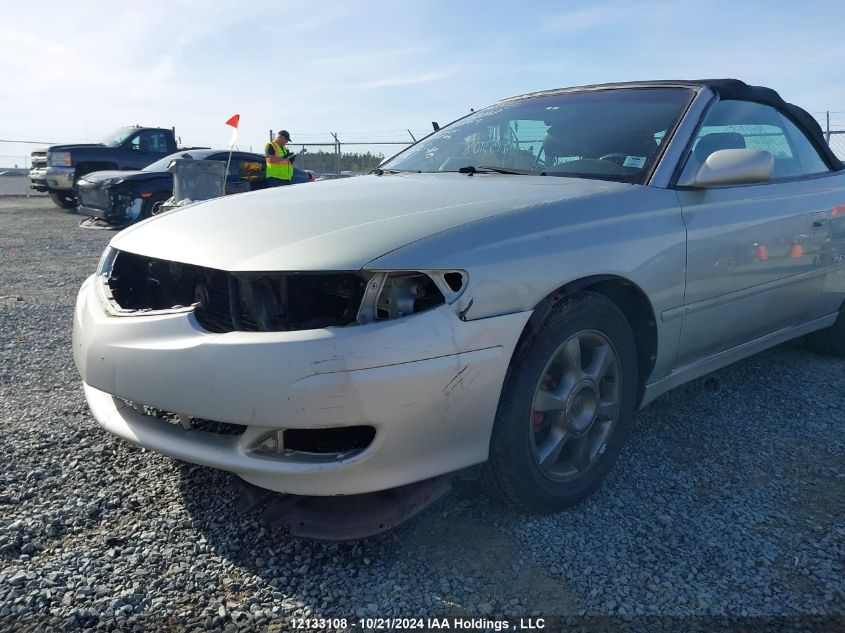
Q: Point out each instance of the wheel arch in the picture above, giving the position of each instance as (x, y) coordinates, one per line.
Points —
(631, 300)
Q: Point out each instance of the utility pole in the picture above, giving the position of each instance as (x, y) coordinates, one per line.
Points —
(413, 138)
(336, 153)
(827, 128)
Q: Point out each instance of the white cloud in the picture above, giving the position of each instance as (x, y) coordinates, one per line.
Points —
(424, 78)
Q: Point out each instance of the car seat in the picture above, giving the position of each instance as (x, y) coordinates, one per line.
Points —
(715, 141)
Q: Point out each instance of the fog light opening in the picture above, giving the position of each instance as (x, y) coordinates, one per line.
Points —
(328, 444)
(340, 439)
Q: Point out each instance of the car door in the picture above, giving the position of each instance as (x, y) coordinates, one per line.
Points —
(754, 252)
(146, 147)
(246, 171)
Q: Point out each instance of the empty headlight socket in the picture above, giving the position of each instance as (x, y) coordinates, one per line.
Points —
(394, 294)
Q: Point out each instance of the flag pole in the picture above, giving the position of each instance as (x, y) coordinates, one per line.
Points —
(226, 173)
(233, 121)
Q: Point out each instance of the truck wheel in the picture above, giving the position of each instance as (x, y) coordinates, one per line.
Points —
(152, 205)
(566, 407)
(831, 340)
(63, 200)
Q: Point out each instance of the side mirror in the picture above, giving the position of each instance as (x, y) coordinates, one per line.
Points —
(729, 167)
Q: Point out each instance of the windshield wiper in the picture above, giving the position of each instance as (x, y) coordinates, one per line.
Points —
(471, 169)
(378, 171)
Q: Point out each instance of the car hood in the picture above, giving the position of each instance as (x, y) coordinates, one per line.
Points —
(340, 224)
(65, 148)
(115, 176)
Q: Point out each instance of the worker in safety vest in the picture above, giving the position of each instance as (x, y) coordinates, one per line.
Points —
(279, 160)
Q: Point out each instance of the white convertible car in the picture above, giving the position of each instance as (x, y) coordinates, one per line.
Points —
(506, 292)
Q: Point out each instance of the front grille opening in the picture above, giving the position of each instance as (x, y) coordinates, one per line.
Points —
(341, 439)
(143, 283)
(226, 302)
(218, 428)
(188, 422)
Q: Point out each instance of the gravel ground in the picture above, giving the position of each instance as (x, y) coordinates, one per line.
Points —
(728, 500)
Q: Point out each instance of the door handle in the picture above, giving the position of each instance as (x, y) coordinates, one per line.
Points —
(819, 221)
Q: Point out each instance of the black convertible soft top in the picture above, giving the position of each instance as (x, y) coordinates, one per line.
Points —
(728, 89)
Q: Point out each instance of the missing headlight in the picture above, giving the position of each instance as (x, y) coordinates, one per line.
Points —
(407, 293)
(392, 295)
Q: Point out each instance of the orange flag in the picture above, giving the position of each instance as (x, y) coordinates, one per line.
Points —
(233, 121)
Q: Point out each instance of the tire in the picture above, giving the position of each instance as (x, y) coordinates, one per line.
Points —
(152, 204)
(63, 200)
(831, 340)
(587, 327)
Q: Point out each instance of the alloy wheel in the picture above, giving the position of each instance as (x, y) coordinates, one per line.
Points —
(575, 406)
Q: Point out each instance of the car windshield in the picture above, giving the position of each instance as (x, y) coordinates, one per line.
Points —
(116, 138)
(612, 134)
(163, 163)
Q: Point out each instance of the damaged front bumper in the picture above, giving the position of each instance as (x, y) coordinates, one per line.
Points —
(113, 206)
(427, 385)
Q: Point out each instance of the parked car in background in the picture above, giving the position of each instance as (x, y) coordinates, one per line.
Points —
(506, 292)
(123, 197)
(57, 169)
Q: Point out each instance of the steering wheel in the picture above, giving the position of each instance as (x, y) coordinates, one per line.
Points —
(617, 158)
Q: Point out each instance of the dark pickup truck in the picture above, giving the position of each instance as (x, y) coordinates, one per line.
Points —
(58, 168)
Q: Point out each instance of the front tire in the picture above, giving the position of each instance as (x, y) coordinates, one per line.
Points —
(152, 205)
(63, 200)
(566, 407)
(831, 340)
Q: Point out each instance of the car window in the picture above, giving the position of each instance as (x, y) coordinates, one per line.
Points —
(250, 169)
(808, 156)
(606, 134)
(116, 138)
(734, 124)
(156, 141)
(163, 163)
(149, 142)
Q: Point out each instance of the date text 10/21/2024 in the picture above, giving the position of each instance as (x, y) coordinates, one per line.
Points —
(423, 624)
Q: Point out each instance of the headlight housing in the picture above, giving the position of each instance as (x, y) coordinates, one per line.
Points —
(267, 301)
(60, 159)
(106, 262)
(395, 294)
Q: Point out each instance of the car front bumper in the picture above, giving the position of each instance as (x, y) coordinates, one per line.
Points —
(115, 206)
(429, 384)
(38, 178)
(60, 178)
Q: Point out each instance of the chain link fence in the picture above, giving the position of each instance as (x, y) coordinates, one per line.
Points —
(836, 140)
(15, 154)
